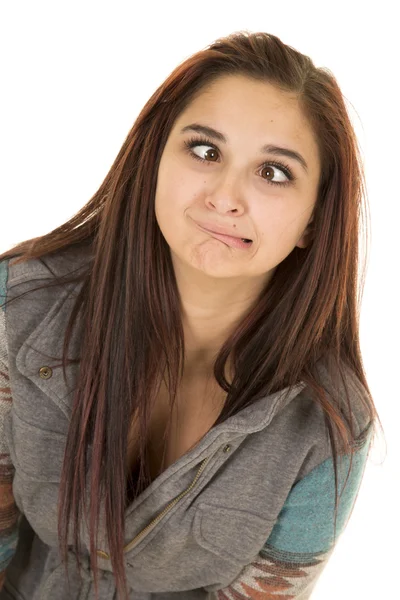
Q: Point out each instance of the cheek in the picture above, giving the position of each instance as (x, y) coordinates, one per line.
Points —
(173, 197)
(270, 221)
(281, 220)
(279, 232)
(173, 189)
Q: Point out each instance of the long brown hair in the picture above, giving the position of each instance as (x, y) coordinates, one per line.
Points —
(132, 335)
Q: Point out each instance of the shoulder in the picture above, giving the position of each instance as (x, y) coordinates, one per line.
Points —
(345, 392)
(62, 263)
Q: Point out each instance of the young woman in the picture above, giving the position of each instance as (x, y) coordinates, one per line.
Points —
(184, 408)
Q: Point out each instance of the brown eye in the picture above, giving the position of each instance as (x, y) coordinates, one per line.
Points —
(208, 155)
(270, 172)
(211, 153)
(273, 171)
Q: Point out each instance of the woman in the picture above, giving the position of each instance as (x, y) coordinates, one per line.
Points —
(207, 292)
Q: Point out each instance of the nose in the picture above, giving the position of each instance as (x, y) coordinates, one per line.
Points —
(226, 196)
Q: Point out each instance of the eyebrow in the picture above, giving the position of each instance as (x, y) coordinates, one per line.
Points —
(266, 149)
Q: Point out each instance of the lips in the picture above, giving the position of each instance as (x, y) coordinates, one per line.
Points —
(221, 230)
(229, 240)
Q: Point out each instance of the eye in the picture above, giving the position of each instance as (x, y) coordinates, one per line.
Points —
(212, 153)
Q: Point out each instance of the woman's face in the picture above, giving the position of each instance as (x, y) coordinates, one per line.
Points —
(227, 179)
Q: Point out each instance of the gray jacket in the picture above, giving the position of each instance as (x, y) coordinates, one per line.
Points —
(247, 513)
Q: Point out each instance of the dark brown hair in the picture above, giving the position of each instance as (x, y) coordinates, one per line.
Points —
(132, 335)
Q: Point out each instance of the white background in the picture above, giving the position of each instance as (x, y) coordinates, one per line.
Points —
(74, 77)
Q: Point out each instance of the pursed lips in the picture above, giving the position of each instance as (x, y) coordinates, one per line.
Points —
(229, 240)
(221, 230)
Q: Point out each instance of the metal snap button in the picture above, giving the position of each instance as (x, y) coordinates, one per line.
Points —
(45, 372)
(227, 448)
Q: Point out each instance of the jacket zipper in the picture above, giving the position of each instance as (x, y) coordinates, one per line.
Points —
(158, 518)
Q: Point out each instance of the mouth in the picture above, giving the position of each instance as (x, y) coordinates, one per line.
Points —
(229, 240)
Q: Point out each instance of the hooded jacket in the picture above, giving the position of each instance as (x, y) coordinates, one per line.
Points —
(247, 513)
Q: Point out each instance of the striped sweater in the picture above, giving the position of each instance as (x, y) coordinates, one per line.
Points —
(9, 512)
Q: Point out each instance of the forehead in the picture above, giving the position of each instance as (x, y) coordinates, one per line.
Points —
(243, 108)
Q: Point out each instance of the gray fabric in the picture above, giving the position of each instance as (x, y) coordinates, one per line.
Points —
(251, 462)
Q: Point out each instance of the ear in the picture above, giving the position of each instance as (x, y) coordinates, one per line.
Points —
(307, 236)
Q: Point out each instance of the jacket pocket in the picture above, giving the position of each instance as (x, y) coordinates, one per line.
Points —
(231, 534)
(36, 453)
